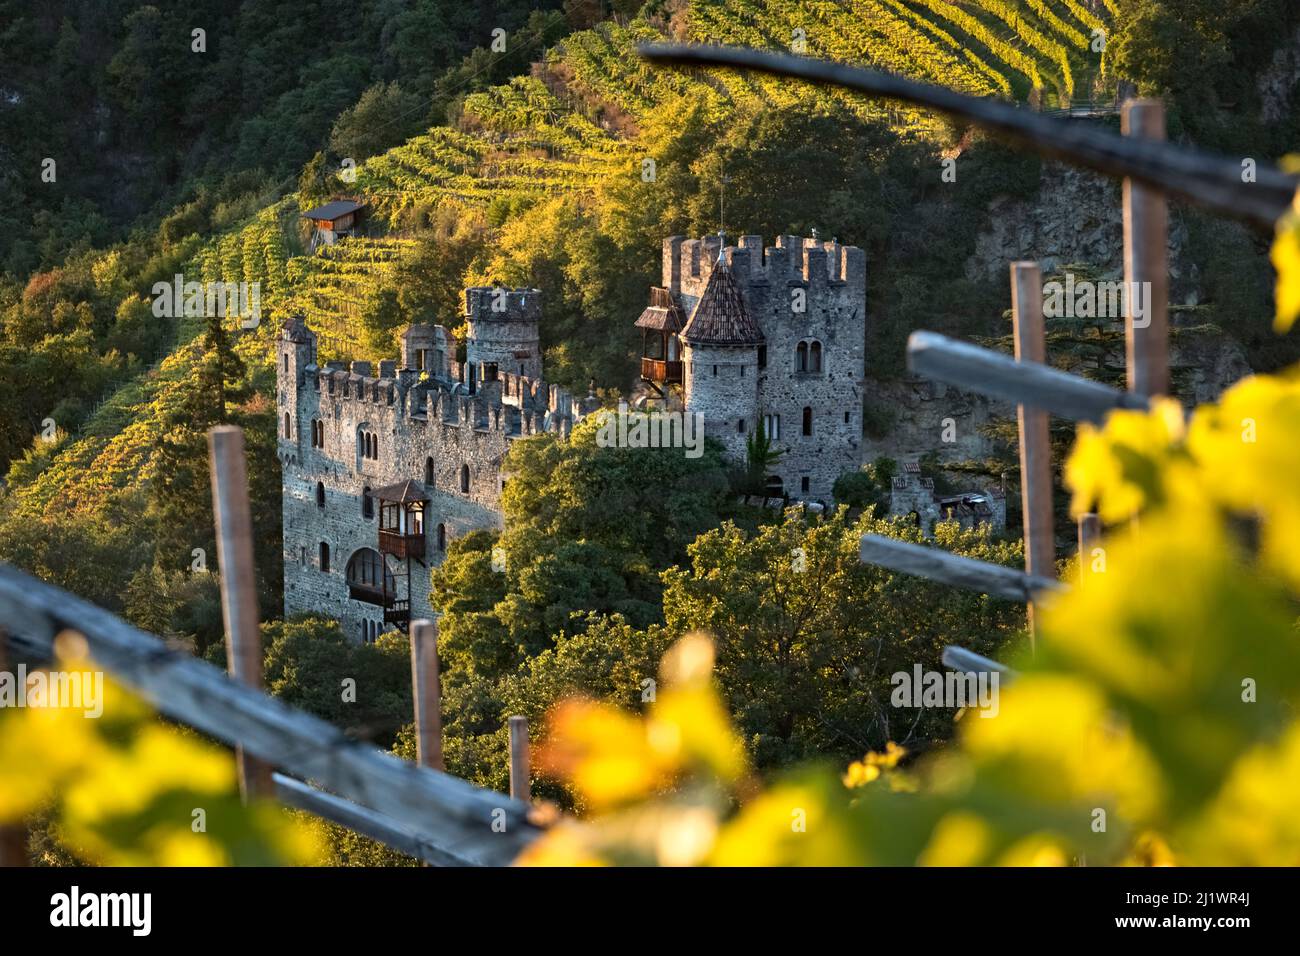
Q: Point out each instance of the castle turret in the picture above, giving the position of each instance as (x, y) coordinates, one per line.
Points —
(789, 350)
(296, 350)
(503, 332)
(722, 342)
(424, 349)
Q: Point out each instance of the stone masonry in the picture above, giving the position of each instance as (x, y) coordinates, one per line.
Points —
(803, 376)
(345, 432)
(913, 496)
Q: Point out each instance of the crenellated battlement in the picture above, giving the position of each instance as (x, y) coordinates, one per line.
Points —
(501, 304)
(489, 400)
(688, 263)
(765, 336)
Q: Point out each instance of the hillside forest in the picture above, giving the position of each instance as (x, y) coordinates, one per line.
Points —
(503, 143)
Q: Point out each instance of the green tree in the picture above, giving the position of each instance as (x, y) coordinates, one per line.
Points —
(364, 689)
(760, 458)
(385, 116)
(808, 636)
(867, 487)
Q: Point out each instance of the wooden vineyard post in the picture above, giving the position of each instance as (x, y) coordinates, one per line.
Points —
(1146, 271)
(1035, 442)
(234, 525)
(1089, 541)
(426, 688)
(519, 785)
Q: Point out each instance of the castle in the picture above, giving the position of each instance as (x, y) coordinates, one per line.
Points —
(381, 471)
(771, 338)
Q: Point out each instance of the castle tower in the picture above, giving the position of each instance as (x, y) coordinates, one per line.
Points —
(503, 331)
(424, 349)
(296, 350)
(720, 357)
(785, 328)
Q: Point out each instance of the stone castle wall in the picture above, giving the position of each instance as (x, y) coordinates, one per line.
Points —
(427, 431)
(503, 330)
(799, 290)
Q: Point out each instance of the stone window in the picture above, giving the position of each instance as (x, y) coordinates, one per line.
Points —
(762, 356)
(302, 556)
(442, 537)
(288, 433)
(324, 557)
(803, 484)
(808, 357)
(774, 486)
(807, 420)
(428, 471)
(320, 494)
(367, 504)
(464, 478)
(772, 427)
(740, 426)
(367, 444)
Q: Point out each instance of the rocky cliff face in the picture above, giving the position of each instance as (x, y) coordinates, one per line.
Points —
(1077, 218)
(1276, 83)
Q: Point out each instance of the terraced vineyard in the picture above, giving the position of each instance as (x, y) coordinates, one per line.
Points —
(562, 130)
(575, 121)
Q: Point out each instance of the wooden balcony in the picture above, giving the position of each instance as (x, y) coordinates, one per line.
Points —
(401, 546)
(399, 613)
(657, 370)
(370, 594)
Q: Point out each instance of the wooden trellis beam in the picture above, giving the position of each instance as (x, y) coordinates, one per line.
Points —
(233, 519)
(369, 823)
(444, 811)
(1201, 178)
(997, 375)
(960, 659)
(938, 565)
(1146, 266)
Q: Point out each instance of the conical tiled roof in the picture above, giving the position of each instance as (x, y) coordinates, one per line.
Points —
(720, 317)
